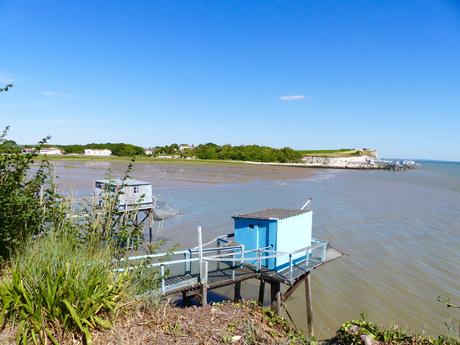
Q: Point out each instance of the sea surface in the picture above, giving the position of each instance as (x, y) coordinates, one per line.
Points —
(400, 231)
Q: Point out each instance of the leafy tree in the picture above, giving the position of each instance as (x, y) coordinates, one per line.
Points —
(9, 146)
(246, 153)
(75, 149)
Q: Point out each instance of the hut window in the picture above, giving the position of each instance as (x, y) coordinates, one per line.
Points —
(136, 189)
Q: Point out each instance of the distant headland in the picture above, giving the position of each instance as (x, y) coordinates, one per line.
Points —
(253, 154)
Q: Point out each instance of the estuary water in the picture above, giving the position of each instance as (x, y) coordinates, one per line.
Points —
(401, 231)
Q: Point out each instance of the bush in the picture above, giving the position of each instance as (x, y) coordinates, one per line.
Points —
(27, 199)
(352, 333)
(58, 284)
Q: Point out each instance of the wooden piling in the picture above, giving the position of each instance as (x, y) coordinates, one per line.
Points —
(308, 305)
(237, 296)
(185, 299)
(204, 294)
(261, 292)
(150, 226)
(275, 296)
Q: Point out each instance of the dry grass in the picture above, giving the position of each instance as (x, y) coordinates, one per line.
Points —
(226, 323)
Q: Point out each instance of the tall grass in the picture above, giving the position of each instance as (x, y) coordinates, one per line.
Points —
(59, 285)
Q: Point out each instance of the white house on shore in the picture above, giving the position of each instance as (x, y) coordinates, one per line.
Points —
(184, 147)
(98, 152)
(148, 152)
(28, 150)
(50, 151)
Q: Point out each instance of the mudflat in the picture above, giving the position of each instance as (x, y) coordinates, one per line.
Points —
(182, 172)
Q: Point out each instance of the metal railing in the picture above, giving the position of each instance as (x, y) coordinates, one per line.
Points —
(234, 256)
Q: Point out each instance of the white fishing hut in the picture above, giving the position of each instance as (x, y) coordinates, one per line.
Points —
(133, 193)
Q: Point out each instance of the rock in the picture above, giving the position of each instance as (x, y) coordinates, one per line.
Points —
(356, 162)
(367, 340)
(354, 330)
(236, 338)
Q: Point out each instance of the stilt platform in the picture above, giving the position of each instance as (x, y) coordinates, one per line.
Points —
(202, 269)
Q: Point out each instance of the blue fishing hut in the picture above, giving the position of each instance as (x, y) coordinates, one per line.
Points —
(277, 229)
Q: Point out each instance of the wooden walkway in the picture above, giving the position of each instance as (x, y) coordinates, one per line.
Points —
(230, 275)
(216, 279)
(203, 269)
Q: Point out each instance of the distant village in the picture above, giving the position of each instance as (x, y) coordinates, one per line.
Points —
(158, 152)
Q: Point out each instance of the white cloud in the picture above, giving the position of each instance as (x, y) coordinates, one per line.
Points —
(292, 98)
(55, 94)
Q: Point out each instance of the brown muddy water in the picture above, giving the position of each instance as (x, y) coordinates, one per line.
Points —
(401, 230)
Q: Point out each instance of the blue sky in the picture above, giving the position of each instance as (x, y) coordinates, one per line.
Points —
(305, 74)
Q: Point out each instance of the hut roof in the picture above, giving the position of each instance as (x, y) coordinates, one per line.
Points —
(272, 214)
(128, 182)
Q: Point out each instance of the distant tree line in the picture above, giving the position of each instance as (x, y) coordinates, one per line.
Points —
(254, 153)
(167, 149)
(118, 149)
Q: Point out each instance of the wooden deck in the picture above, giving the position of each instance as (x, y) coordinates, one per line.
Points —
(217, 278)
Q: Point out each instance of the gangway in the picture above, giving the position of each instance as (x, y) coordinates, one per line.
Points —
(218, 266)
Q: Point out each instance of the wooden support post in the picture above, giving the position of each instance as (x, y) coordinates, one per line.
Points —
(150, 225)
(309, 306)
(261, 292)
(218, 253)
(163, 285)
(237, 297)
(275, 295)
(185, 299)
(204, 282)
(200, 252)
(204, 294)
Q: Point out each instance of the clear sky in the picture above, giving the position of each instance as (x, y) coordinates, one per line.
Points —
(305, 74)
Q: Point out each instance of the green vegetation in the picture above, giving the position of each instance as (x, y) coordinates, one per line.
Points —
(357, 332)
(27, 199)
(9, 146)
(167, 150)
(211, 151)
(118, 149)
(246, 153)
(57, 263)
(57, 283)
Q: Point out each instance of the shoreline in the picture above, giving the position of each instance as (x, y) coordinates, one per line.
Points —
(347, 163)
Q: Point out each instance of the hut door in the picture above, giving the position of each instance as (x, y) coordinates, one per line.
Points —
(262, 239)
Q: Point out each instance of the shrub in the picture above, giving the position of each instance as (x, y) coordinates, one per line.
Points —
(57, 284)
(27, 198)
(351, 332)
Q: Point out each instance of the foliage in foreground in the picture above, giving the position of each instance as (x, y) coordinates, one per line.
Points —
(58, 285)
(357, 332)
(27, 199)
